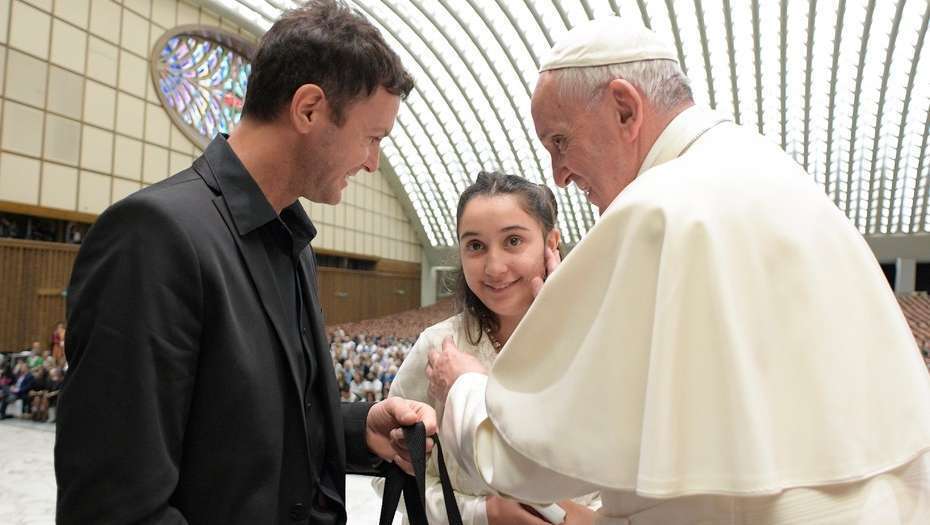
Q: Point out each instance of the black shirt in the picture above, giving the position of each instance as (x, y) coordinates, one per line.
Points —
(286, 238)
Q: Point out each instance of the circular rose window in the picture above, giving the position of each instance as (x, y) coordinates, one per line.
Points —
(200, 75)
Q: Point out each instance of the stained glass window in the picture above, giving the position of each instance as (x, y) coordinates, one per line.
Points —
(201, 77)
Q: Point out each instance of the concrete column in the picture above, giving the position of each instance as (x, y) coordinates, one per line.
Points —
(427, 282)
(905, 275)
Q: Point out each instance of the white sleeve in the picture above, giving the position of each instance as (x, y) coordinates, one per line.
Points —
(471, 508)
(469, 435)
(410, 381)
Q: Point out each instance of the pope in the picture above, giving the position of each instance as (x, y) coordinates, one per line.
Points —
(721, 347)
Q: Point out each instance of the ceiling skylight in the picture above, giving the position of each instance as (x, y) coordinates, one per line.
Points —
(843, 86)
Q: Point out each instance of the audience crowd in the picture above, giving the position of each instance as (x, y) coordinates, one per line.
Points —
(32, 379)
(366, 365)
(916, 308)
(366, 356)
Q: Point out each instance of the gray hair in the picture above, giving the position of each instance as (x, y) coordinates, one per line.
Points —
(661, 81)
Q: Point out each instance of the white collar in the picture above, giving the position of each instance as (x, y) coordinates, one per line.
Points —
(683, 131)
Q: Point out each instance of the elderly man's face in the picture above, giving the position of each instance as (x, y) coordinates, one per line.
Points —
(584, 141)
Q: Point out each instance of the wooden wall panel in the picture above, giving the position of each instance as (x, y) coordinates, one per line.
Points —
(353, 295)
(34, 274)
(33, 277)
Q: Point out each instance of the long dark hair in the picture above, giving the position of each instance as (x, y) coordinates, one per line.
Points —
(537, 200)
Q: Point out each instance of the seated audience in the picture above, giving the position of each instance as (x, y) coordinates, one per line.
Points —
(35, 358)
(7, 378)
(19, 390)
(44, 393)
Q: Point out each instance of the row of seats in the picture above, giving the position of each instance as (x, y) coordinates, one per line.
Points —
(916, 308)
(403, 325)
(409, 324)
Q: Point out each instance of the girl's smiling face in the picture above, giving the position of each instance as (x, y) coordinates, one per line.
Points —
(502, 248)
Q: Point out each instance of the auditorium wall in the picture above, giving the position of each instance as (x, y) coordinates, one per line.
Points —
(369, 221)
(32, 302)
(35, 274)
(81, 127)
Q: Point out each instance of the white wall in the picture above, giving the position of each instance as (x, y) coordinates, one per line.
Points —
(368, 221)
(82, 126)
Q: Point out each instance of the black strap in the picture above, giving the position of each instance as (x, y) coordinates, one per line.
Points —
(448, 495)
(414, 487)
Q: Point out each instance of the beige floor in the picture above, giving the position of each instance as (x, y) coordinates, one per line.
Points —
(27, 479)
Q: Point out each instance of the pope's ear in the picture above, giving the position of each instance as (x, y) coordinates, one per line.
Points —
(628, 107)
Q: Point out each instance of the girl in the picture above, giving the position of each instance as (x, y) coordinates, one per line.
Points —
(507, 234)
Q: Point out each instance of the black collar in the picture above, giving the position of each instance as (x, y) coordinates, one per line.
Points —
(247, 205)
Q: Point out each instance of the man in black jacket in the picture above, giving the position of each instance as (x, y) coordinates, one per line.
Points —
(200, 387)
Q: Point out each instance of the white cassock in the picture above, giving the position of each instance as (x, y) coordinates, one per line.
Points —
(721, 347)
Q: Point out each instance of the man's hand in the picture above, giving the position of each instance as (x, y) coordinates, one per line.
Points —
(503, 511)
(446, 366)
(553, 259)
(384, 435)
(576, 514)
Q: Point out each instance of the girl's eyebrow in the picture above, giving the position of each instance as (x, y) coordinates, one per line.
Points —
(504, 229)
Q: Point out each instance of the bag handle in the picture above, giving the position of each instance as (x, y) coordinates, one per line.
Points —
(414, 487)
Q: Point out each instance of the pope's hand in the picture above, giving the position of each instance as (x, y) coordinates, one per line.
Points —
(553, 260)
(501, 511)
(446, 366)
(384, 434)
(576, 514)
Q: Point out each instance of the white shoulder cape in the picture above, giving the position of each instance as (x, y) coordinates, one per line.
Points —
(722, 329)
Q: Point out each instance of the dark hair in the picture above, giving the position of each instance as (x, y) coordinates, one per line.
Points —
(537, 200)
(324, 43)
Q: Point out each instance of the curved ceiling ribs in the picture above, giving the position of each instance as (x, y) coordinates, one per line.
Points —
(918, 174)
(854, 127)
(783, 78)
(731, 56)
(827, 83)
(757, 64)
(527, 134)
(439, 229)
(647, 21)
(924, 173)
(673, 20)
(877, 212)
(808, 75)
(567, 220)
(831, 112)
(705, 52)
(567, 217)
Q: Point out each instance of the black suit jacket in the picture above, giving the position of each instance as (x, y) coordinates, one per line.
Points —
(181, 402)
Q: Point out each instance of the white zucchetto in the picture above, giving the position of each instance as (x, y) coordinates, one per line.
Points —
(608, 40)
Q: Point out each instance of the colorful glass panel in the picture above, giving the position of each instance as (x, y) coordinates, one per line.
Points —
(203, 82)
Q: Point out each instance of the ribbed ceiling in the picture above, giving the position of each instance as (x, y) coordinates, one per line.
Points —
(841, 85)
